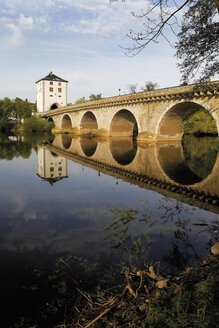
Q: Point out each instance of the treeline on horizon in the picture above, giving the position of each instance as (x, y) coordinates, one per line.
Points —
(14, 109)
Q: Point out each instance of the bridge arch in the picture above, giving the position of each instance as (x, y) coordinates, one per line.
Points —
(51, 120)
(66, 122)
(124, 124)
(170, 124)
(54, 106)
(89, 121)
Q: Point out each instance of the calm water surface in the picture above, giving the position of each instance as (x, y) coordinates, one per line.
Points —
(87, 202)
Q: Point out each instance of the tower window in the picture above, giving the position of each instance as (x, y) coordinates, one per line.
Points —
(51, 83)
(59, 89)
(60, 83)
(51, 89)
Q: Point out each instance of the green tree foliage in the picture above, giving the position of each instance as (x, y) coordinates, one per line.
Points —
(95, 97)
(91, 97)
(37, 124)
(80, 100)
(23, 109)
(16, 108)
(201, 123)
(6, 111)
(198, 41)
(198, 32)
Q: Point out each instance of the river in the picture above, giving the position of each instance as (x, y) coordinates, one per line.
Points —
(78, 207)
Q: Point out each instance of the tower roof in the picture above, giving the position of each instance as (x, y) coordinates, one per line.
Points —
(52, 77)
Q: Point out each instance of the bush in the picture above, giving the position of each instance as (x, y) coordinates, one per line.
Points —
(201, 123)
(37, 124)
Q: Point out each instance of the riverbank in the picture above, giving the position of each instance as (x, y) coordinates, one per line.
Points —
(146, 299)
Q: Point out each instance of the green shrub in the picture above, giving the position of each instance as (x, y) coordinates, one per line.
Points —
(201, 123)
(37, 124)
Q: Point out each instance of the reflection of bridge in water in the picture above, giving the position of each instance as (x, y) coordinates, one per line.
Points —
(160, 167)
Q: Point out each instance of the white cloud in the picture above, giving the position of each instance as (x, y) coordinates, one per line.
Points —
(16, 37)
(25, 22)
(78, 40)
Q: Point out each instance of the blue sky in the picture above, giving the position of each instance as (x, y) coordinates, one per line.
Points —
(80, 42)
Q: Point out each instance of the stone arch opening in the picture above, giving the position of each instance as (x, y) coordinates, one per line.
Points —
(172, 123)
(123, 150)
(89, 146)
(89, 121)
(66, 141)
(66, 122)
(54, 106)
(124, 124)
(50, 120)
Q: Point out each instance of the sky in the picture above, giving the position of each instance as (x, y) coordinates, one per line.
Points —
(81, 41)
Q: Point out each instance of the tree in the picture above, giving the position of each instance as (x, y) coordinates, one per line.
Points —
(95, 97)
(6, 111)
(160, 17)
(198, 44)
(149, 86)
(132, 88)
(23, 108)
(201, 123)
(80, 100)
(91, 97)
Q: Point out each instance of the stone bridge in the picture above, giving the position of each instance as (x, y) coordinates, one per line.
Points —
(154, 115)
(160, 167)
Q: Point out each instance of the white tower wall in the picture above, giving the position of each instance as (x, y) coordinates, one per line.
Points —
(51, 91)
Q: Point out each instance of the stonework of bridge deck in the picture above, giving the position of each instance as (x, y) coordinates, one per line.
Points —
(154, 115)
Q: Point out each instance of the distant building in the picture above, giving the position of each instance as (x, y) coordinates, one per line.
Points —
(51, 93)
(51, 167)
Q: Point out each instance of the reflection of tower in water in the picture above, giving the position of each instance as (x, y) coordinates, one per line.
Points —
(51, 167)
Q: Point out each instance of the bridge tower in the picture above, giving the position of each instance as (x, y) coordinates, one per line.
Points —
(51, 93)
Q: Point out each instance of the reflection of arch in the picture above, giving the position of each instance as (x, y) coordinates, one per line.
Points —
(123, 150)
(66, 122)
(54, 106)
(66, 141)
(172, 161)
(53, 154)
(89, 146)
(124, 124)
(89, 121)
(171, 123)
(190, 164)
